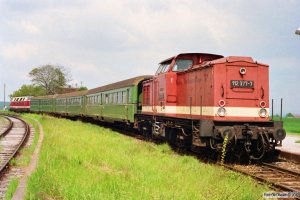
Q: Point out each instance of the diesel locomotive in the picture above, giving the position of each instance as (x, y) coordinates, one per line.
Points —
(194, 100)
(198, 100)
(20, 104)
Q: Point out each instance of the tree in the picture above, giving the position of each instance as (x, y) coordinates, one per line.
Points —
(28, 90)
(51, 78)
(82, 88)
(289, 115)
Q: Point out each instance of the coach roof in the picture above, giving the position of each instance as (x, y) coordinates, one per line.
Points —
(45, 97)
(120, 84)
(72, 94)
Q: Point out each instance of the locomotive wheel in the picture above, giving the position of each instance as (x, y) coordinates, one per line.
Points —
(183, 139)
(171, 135)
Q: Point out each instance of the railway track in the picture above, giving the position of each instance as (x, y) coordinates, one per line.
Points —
(11, 140)
(6, 128)
(279, 178)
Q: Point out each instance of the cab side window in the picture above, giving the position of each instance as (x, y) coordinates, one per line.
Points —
(182, 64)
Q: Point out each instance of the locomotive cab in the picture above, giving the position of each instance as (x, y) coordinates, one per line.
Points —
(165, 83)
(198, 100)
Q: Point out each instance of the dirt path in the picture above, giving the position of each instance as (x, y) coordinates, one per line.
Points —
(20, 192)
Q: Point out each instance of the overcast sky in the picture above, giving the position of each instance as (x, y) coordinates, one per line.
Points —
(102, 41)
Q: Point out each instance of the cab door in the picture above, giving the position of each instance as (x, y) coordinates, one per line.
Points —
(159, 88)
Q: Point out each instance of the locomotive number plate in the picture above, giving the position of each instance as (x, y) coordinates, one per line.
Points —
(241, 84)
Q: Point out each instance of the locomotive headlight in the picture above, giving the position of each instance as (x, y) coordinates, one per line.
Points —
(221, 111)
(263, 112)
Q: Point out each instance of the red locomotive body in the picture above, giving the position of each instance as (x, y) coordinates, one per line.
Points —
(199, 99)
(20, 104)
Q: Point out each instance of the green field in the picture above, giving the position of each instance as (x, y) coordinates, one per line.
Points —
(84, 161)
(291, 125)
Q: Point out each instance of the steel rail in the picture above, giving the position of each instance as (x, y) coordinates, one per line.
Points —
(262, 178)
(9, 127)
(20, 144)
(281, 169)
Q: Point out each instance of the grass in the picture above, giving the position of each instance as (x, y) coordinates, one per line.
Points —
(85, 161)
(298, 141)
(27, 152)
(12, 188)
(291, 125)
(3, 122)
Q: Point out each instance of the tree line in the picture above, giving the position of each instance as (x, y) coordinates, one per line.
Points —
(46, 80)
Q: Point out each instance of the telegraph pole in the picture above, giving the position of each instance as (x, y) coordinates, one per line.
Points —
(4, 98)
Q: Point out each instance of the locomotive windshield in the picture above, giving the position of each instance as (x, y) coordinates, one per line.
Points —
(182, 64)
(163, 67)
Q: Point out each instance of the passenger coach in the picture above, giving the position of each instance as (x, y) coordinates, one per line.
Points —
(115, 103)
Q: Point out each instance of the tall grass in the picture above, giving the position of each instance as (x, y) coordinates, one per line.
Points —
(84, 161)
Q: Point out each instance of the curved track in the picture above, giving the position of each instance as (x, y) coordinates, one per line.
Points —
(6, 129)
(12, 140)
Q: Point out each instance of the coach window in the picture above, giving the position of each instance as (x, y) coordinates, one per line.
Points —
(107, 102)
(182, 64)
(114, 97)
(123, 97)
(119, 97)
(128, 95)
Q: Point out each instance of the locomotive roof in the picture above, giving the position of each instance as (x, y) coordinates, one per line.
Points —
(120, 84)
(232, 59)
(196, 54)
